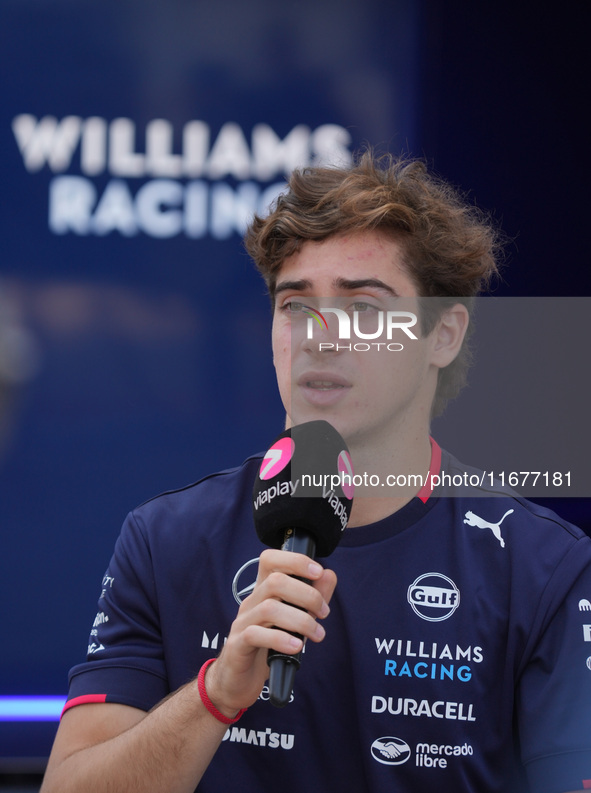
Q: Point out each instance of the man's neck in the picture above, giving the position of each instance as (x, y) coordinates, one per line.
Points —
(391, 476)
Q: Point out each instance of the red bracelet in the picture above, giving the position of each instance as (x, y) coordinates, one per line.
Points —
(206, 700)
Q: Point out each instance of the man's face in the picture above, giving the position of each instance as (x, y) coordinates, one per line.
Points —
(368, 396)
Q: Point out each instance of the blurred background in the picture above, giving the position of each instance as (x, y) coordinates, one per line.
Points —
(137, 137)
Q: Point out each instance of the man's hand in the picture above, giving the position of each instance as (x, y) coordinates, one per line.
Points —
(278, 604)
(172, 745)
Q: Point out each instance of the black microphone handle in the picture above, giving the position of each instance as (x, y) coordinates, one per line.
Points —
(282, 668)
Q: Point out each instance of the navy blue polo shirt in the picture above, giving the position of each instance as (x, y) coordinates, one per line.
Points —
(457, 655)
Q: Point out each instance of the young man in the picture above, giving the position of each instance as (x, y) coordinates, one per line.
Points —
(452, 658)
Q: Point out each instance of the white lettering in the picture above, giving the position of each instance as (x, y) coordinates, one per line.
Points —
(195, 218)
(232, 210)
(330, 144)
(344, 322)
(230, 155)
(115, 211)
(450, 711)
(446, 652)
(112, 145)
(384, 644)
(213, 644)
(265, 737)
(344, 327)
(412, 649)
(195, 146)
(161, 208)
(93, 147)
(404, 326)
(280, 489)
(271, 155)
(71, 200)
(157, 210)
(46, 141)
(361, 335)
(123, 159)
(433, 748)
(160, 160)
(166, 207)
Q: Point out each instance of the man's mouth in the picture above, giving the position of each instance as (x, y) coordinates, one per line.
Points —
(323, 385)
(323, 389)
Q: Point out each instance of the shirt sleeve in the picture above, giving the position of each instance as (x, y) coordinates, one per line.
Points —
(554, 694)
(125, 658)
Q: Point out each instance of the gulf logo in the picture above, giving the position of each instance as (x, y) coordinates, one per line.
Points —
(276, 458)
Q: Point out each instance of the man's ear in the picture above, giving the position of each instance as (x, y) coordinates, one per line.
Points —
(448, 335)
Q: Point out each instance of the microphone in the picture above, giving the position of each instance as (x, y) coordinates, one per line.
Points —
(302, 500)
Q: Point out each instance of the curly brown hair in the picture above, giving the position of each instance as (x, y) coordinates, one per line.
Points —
(450, 248)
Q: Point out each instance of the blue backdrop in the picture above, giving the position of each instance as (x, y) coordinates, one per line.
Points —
(137, 137)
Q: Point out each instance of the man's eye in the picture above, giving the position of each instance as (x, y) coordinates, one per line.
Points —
(292, 307)
(361, 305)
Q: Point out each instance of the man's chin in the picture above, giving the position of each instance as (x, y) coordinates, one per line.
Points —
(304, 415)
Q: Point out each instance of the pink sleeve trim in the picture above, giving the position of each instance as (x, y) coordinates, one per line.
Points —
(84, 700)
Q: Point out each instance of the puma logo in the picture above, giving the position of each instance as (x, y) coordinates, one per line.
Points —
(475, 520)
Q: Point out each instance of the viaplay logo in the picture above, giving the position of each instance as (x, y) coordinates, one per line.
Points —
(282, 452)
(387, 323)
(346, 475)
(276, 458)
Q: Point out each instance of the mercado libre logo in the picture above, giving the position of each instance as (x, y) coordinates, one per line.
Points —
(390, 751)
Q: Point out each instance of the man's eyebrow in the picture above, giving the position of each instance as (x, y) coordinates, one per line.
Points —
(346, 284)
(292, 286)
(363, 283)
